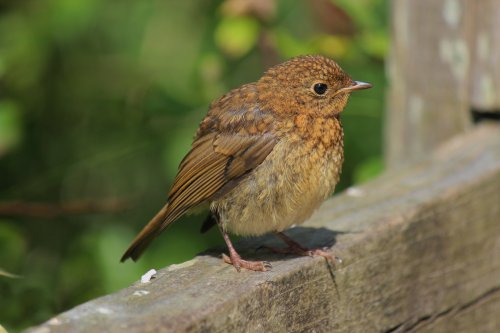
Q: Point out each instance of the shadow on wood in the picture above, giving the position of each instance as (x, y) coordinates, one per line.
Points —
(254, 248)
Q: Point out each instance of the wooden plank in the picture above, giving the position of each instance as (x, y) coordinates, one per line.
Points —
(481, 315)
(419, 244)
(485, 80)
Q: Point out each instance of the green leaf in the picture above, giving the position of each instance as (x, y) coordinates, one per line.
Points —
(288, 46)
(236, 36)
(335, 47)
(10, 126)
(69, 18)
(368, 170)
(375, 43)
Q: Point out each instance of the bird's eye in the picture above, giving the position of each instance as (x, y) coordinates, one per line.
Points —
(320, 88)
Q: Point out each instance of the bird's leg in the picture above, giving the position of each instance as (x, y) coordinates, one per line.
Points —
(235, 259)
(296, 248)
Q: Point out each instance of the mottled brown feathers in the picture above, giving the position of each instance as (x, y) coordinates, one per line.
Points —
(265, 155)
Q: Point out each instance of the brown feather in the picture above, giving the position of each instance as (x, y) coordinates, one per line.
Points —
(215, 163)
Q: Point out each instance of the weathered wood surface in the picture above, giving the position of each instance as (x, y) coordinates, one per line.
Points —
(444, 62)
(420, 249)
(485, 79)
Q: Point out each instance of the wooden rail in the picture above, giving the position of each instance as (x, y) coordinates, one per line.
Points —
(420, 249)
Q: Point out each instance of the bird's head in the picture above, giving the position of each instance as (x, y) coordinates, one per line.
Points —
(308, 84)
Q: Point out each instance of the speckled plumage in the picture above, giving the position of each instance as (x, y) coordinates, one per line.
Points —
(265, 156)
(295, 178)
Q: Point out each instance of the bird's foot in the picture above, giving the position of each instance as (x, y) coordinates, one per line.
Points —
(323, 253)
(299, 250)
(295, 248)
(235, 259)
(237, 262)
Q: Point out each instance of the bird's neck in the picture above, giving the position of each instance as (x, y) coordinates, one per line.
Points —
(323, 131)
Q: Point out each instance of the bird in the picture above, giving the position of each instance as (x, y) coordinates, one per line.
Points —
(264, 158)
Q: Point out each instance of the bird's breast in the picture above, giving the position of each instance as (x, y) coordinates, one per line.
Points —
(296, 177)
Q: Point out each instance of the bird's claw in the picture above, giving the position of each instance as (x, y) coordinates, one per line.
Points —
(238, 263)
(321, 252)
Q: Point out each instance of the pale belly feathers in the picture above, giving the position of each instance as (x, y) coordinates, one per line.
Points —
(284, 190)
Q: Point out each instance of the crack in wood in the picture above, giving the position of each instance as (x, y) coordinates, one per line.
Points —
(413, 326)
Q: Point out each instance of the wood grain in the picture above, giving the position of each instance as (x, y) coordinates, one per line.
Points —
(420, 249)
(442, 66)
(485, 78)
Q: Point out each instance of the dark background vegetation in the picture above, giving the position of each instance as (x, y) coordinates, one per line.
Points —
(99, 101)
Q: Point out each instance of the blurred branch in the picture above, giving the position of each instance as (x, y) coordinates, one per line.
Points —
(264, 10)
(51, 210)
(332, 18)
(9, 275)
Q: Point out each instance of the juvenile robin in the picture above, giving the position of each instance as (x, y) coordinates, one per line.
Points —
(266, 155)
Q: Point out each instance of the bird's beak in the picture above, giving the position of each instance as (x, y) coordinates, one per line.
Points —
(358, 85)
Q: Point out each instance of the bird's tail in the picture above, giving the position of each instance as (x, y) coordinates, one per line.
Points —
(147, 234)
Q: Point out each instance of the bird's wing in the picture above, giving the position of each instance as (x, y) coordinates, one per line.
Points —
(215, 164)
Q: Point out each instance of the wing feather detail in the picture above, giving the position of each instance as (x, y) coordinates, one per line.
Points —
(214, 165)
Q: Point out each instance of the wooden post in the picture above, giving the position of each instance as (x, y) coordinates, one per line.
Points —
(444, 62)
(485, 78)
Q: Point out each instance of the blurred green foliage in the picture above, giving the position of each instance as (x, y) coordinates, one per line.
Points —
(100, 100)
